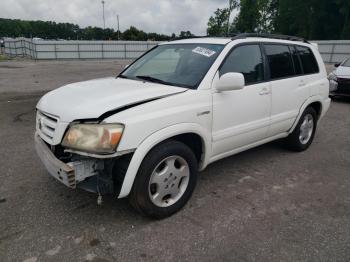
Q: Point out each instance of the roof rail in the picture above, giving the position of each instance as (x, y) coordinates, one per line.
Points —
(274, 36)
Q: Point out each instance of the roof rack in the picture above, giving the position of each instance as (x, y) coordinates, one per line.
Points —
(274, 36)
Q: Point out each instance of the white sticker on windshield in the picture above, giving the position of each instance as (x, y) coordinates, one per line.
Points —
(203, 51)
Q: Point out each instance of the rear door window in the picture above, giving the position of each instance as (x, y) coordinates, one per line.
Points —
(308, 60)
(280, 61)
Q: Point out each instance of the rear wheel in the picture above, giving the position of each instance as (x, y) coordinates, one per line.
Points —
(302, 136)
(165, 180)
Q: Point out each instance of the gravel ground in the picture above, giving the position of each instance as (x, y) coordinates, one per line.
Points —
(266, 204)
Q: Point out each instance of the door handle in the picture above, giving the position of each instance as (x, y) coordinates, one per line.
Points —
(264, 91)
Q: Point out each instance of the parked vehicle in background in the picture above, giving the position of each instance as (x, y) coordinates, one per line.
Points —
(339, 79)
(2, 42)
(179, 107)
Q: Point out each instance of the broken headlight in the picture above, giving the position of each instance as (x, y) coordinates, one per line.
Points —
(94, 138)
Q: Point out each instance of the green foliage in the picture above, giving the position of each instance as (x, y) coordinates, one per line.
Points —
(2, 57)
(247, 20)
(314, 19)
(52, 30)
(185, 34)
(267, 12)
(311, 19)
(217, 24)
(134, 34)
(256, 16)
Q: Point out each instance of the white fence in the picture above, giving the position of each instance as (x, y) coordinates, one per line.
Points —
(42, 49)
(332, 51)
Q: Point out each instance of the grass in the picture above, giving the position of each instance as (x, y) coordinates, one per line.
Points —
(2, 57)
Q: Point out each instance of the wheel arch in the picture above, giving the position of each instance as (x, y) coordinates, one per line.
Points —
(317, 106)
(188, 133)
(316, 103)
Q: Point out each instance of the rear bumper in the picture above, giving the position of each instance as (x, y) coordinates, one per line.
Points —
(339, 94)
(56, 168)
(340, 88)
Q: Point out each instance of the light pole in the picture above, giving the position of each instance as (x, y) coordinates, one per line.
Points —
(103, 14)
(232, 5)
(118, 25)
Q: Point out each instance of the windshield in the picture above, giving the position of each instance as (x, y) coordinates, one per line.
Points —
(346, 63)
(182, 65)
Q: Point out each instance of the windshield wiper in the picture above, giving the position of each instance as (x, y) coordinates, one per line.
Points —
(160, 81)
(123, 76)
(153, 79)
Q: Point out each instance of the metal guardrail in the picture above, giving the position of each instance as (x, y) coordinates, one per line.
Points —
(43, 49)
(332, 51)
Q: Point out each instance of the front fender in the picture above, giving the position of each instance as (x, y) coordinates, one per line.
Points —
(157, 137)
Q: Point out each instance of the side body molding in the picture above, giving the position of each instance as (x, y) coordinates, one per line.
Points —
(157, 137)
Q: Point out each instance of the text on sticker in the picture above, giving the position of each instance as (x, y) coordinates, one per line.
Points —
(203, 51)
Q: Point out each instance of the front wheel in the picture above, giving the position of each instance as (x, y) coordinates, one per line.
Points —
(165, 180)
(302, 136)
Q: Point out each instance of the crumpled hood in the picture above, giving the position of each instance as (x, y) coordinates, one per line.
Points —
(342, 71)
(91, 99)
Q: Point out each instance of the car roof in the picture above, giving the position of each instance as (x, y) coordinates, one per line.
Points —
(246, 37)
(201, 40)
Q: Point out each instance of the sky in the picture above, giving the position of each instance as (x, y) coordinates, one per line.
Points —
(160, 16)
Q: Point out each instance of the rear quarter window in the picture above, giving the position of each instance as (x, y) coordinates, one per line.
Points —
(308, 60)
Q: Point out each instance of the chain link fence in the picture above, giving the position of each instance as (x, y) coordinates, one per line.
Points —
(47, 49)
(332, 51)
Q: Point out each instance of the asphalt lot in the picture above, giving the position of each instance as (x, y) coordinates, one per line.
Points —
(266, 204)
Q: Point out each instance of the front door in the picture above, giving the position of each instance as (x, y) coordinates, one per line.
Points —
(242, 117)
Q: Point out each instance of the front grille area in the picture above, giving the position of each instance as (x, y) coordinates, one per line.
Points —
(46, 125)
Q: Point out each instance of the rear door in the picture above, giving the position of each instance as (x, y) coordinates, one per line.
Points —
(288, 86)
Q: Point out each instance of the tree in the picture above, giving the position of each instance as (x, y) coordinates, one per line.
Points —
(134, 34)
(185, 34)
(247, 19)
(344, 9)
(233, 4)
(267, 10)
(52, 30)
(314, 19)
(218, 24)
(311, 19)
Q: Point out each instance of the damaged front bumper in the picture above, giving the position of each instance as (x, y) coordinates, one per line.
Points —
(100, 176)
(56, 168)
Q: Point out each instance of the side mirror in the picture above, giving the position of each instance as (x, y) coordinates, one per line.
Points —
(337, 64)
(230, 81)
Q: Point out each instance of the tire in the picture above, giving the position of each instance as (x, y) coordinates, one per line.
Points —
(295, 141)
(165, 180)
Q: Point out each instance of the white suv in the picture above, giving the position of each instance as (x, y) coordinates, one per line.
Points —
(181, 106)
